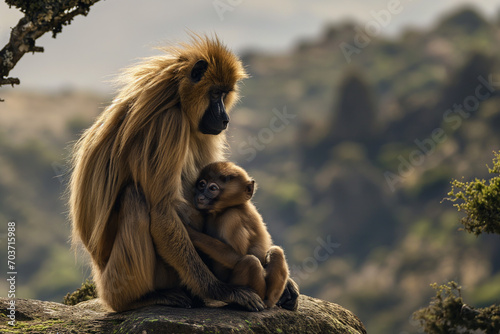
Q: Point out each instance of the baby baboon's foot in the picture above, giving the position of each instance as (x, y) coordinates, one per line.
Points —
(290, 298)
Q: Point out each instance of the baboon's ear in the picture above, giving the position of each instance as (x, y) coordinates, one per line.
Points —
(250, 189)
(199, 70)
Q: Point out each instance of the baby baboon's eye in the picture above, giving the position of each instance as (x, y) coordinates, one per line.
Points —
(213, 187)
(202, 184)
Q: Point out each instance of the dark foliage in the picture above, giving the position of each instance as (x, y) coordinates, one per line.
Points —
(480, 201)
(86, 292)
(447, 313)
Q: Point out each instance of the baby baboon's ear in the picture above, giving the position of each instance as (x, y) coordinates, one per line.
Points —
(250, 189)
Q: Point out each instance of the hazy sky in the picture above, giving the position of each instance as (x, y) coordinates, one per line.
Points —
(116, 32)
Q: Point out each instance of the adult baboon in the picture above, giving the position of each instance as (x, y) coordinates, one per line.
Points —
(133, 168)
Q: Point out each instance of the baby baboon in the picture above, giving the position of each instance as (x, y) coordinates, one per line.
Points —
(235, 235)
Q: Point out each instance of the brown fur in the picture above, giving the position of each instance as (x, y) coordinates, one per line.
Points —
(132, 170)
(237, 237)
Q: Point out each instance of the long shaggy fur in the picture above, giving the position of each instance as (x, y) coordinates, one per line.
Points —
(141, 156)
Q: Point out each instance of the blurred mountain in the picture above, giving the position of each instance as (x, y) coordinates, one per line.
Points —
(353, 155)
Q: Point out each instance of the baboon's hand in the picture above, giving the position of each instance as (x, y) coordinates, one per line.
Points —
(289, 299)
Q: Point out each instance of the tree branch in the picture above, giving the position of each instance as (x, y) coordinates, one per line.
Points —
(9, 81)
(36, 22)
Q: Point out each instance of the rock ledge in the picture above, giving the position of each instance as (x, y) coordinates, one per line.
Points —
(313, 316)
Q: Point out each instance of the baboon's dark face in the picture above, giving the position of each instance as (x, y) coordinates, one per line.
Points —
(215, 119)
(217, 90)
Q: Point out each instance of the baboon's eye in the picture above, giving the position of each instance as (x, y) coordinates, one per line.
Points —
(202, 184)
(215, 94)
(213, 187)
